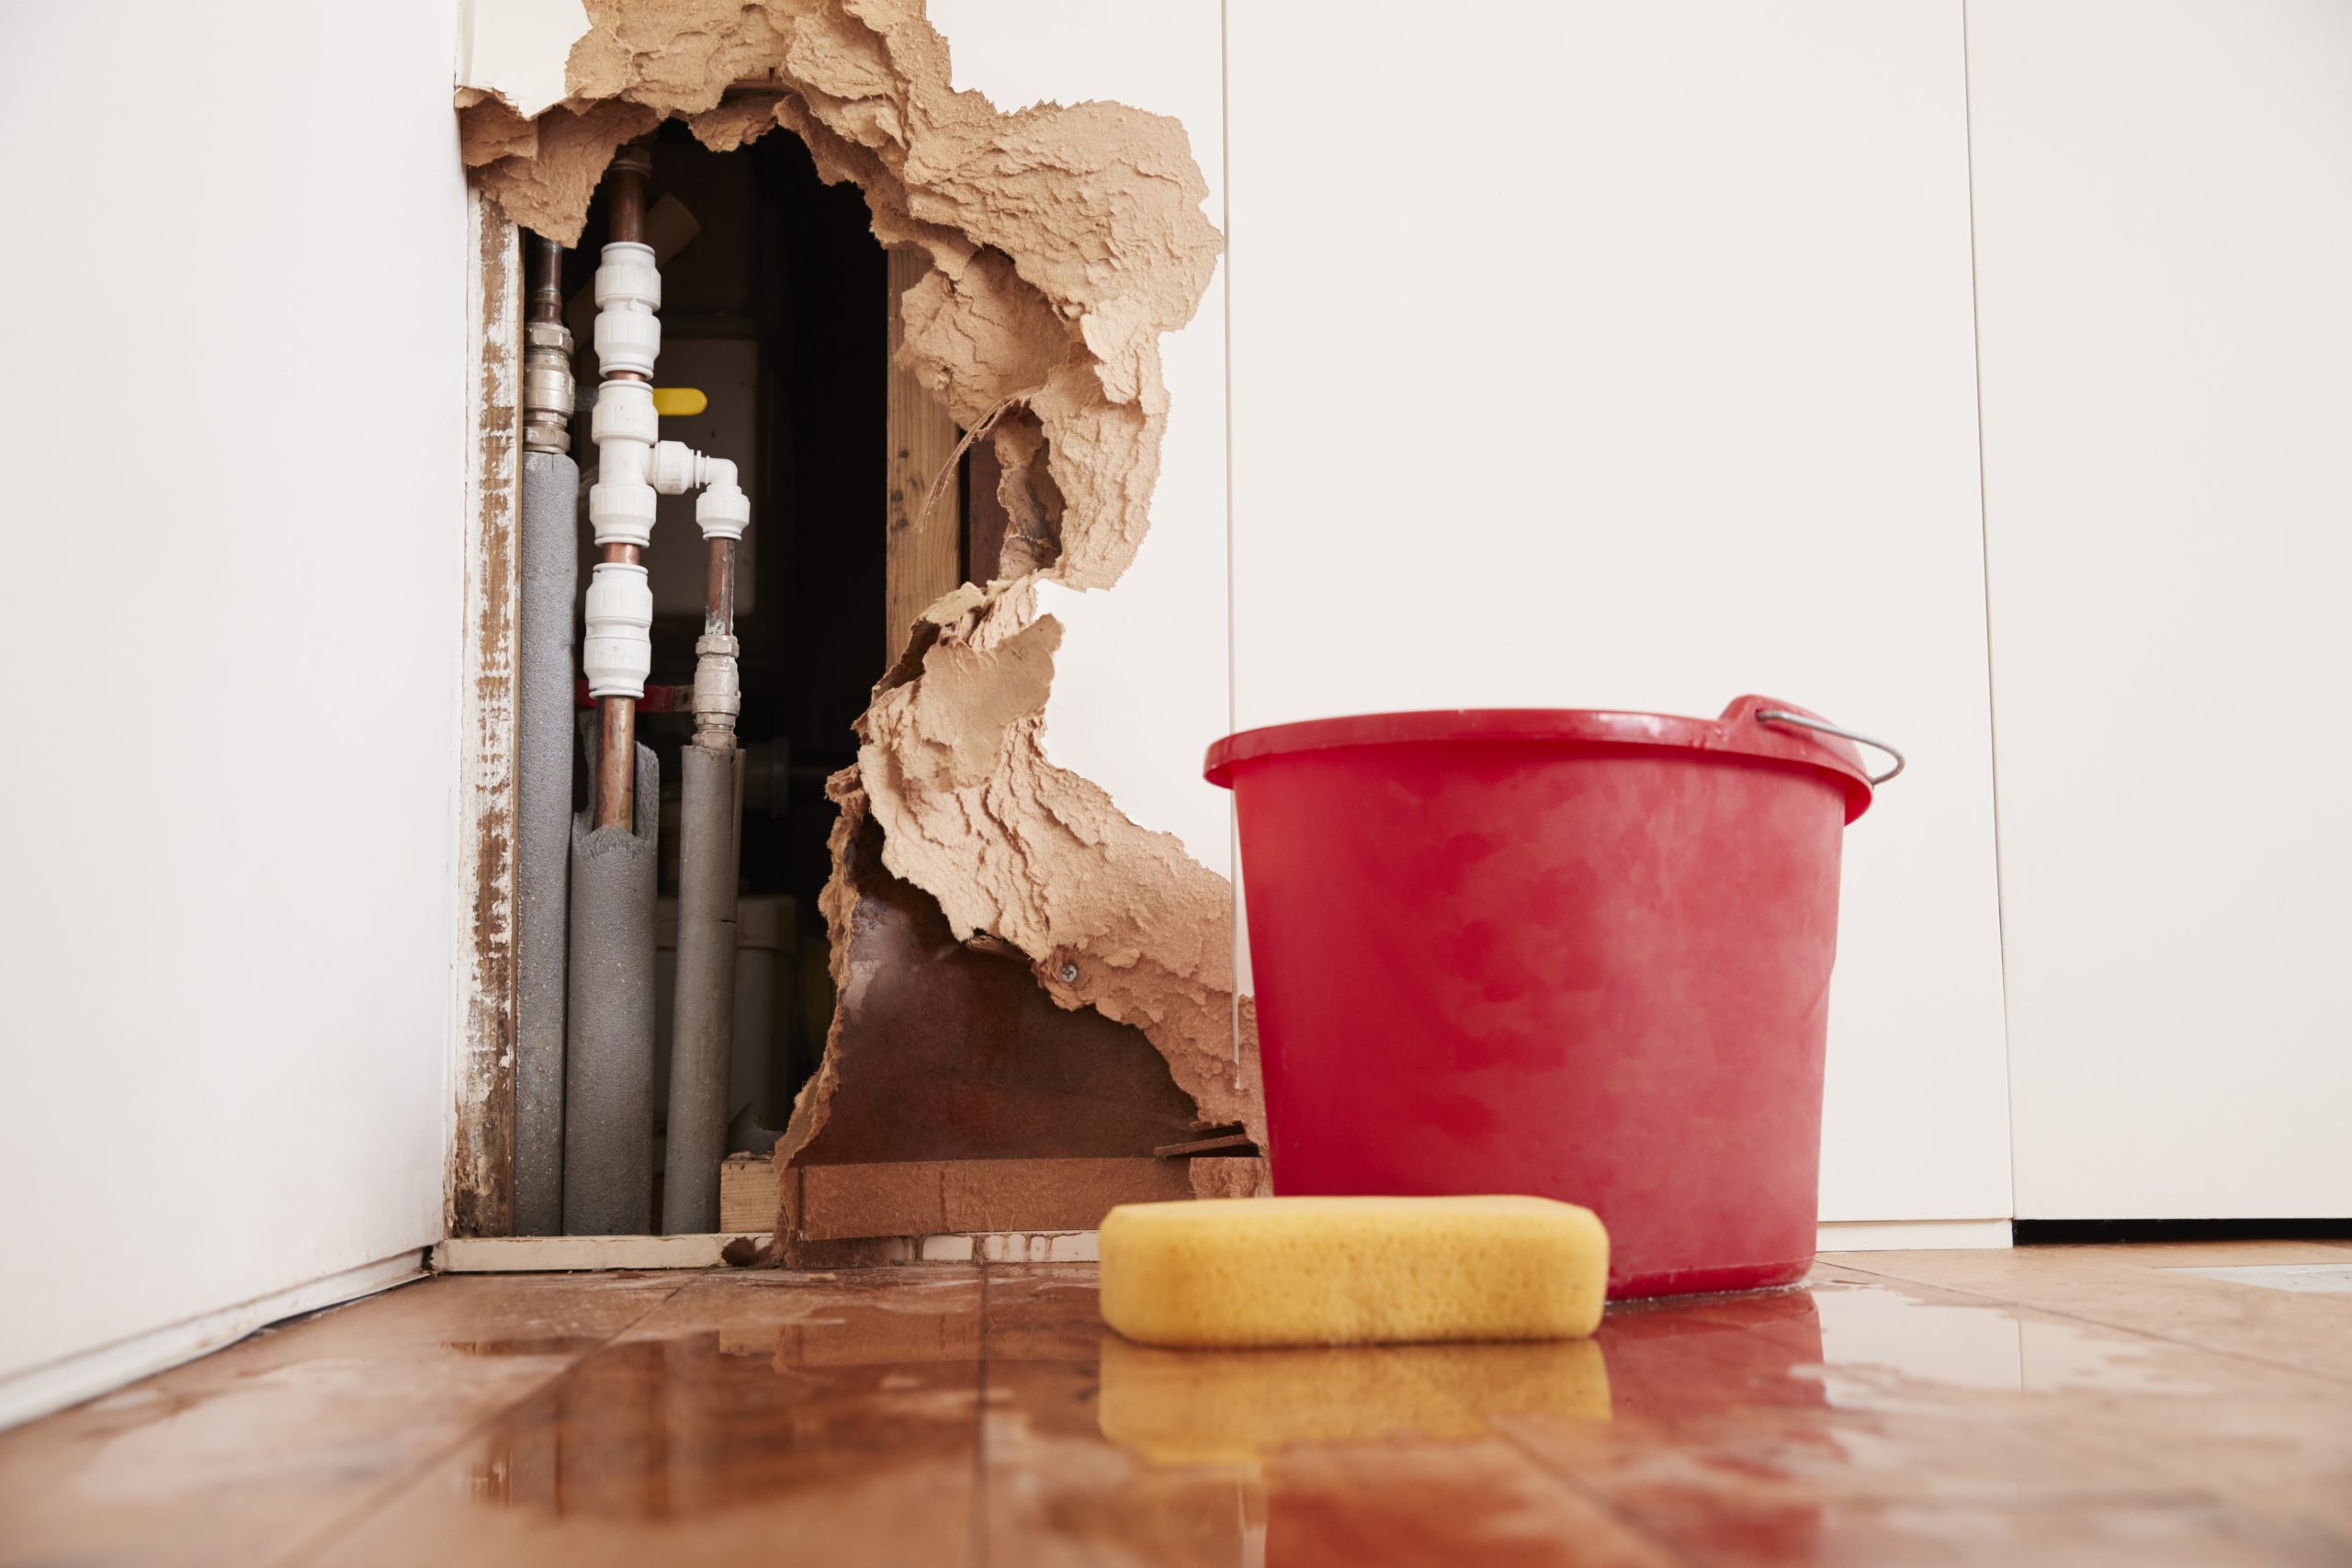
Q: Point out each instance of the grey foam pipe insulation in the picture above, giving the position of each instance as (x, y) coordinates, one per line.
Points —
(544, 664)
(702, 1031)
(608, 1065)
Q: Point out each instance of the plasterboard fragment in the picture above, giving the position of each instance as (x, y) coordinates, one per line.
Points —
(514, 51)
(1230, 1175)
(491, 130)
(735, 123)
(548, 191)
(1112, 915)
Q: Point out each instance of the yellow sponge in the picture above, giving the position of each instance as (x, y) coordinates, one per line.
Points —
(1249, 1271)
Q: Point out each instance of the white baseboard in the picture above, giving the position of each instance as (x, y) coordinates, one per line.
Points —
(1905, 1236)
(569, 1254)
(554, 1254)
(43, 1389)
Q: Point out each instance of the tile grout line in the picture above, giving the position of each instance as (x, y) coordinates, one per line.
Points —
(347, 1522)
(2074, 1317)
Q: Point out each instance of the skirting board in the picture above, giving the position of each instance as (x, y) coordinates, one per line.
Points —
(554, 1254)
(574, 1254)
(92, 1373)
(1909, 1236)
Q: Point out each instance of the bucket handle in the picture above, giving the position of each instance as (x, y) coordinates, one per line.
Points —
(1804, 721)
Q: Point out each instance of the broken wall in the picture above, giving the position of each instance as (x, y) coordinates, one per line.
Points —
(1037, 771)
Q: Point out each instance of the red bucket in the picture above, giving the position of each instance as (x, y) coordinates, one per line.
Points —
(1579, 954)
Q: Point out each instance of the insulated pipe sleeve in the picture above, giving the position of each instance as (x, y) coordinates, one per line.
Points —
(544, 729)
(608, 1078)
(702, 1032)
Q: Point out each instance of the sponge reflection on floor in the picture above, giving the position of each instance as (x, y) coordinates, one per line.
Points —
(1233, 1406)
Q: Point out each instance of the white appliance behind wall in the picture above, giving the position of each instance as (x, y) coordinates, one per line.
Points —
(2163, 206)
(1620, 355)
(234, 436)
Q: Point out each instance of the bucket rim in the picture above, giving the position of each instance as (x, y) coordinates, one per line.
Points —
(1738, 733)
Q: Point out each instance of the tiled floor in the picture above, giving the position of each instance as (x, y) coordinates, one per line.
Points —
(2086, 1405)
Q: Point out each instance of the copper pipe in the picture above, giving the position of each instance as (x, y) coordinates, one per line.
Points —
(625, 219)
(718, 592)
(545, 301)
(617, 716)
(616, 761)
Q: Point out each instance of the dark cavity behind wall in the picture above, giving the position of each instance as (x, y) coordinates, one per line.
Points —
(786, 258)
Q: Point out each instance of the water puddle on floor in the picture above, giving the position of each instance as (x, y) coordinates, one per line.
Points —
(1883, 1350)
(2324, 1279)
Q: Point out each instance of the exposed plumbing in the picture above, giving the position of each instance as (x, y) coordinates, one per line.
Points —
(634, 467)
(710, 814)
(544, 748)
(547, 354)
(619, 647)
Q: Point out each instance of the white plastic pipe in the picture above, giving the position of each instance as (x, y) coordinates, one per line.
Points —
(634, 467)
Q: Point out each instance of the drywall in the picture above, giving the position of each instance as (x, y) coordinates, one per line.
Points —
(515, 49)
(2164, 214)
(1620, 355)
(235, 449)
(1140, 682)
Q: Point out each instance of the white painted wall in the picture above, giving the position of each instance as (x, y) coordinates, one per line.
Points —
(233, 434)
(2164, 203)
(1605, 355)
(1140, 686)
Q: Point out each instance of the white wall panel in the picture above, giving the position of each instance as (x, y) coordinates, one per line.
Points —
(234, 438)
(2165, 243)
(1621, 355)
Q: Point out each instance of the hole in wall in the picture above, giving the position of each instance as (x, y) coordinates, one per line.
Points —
(1043, 251)
(776, 310)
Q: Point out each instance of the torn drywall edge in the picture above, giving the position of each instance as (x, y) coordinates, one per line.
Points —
(514, 51)
(1109, 914)
(1063, 242)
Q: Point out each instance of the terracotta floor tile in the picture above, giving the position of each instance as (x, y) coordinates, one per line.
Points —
(244, 1454)
(1103, 1451)
(2306, 1332)
(943, 1416)
(835, 1417)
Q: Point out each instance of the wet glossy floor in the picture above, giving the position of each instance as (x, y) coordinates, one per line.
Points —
(2077, 1406)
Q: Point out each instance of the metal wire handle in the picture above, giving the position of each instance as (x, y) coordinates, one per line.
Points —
(1782, 716)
